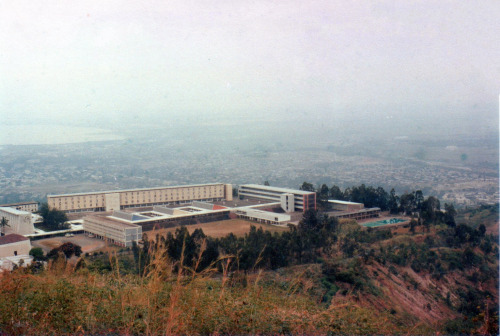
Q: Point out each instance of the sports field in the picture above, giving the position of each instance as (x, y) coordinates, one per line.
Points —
(221, 228)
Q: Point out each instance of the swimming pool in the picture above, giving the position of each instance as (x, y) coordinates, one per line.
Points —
(384, 222)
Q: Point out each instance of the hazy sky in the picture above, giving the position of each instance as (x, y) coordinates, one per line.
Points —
(116, 60)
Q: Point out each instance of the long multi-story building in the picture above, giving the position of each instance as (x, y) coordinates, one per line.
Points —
(290, 199)
(120, 199)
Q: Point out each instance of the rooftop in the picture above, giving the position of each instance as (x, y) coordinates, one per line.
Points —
(14, 211)
(19, 203)
(11, 238)
(278, 189)
(138, 189)
(343, 202)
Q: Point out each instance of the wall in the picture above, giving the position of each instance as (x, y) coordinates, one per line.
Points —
(20, 222)
(22, 248)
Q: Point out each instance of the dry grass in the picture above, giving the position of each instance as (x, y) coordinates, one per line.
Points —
(238, 227)
(169, 299)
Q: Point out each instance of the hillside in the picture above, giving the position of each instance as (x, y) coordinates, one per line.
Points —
(323, 277)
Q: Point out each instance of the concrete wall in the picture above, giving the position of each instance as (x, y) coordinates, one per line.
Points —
(20, 222)
(112, 201)
(262, 216)
(287, 202)
(229, 192)
(117, 232)
(22, 248)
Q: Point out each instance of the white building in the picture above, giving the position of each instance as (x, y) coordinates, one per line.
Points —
(124, 227)
(14, 245)
(14, 251)
(20, 222)
(261, 216)
(290, 199)
(115, 231)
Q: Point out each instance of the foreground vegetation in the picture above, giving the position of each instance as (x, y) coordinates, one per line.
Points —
(62, 301)
(321, 277)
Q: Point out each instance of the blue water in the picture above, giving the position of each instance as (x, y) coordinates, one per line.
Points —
(384, 222)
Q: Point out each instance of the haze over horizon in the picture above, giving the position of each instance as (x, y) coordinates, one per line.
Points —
(122, 61)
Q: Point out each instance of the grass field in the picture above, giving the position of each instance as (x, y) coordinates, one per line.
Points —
(221, 228)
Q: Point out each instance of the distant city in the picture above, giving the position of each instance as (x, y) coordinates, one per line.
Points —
(462, 170)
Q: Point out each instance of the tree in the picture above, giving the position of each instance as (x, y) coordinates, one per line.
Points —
(382, 199)
(449, 217)
(37, 254)
(322, 196)
(393, 201)
(306, 186)
(429, 209)
(53, 219)
(3, 223)
(266, 183)
(407, 203)
(413, 224)
(68, 249)
(419, 199)
(336, 193)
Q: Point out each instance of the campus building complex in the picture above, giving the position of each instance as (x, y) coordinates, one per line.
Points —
(290, 199)
(132, 198)
(126, 214)
(124, 227)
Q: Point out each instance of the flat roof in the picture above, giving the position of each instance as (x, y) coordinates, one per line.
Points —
(343, 202)
(118, 222)
(343, 213)
(18, 203)
(278, 189)
(137, 189)
(15, 211)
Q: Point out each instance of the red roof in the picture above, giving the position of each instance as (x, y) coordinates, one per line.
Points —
(11, 238)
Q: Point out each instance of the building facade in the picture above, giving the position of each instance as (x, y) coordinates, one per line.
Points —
(121, 199)
(114, 231)
(261, 216)
(20, 222)
(14, 245)
(290, 199)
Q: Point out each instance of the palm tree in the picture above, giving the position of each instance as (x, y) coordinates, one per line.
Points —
(3, 223)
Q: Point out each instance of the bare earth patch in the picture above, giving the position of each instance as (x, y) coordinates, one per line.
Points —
(87, 244)
(221, 228)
